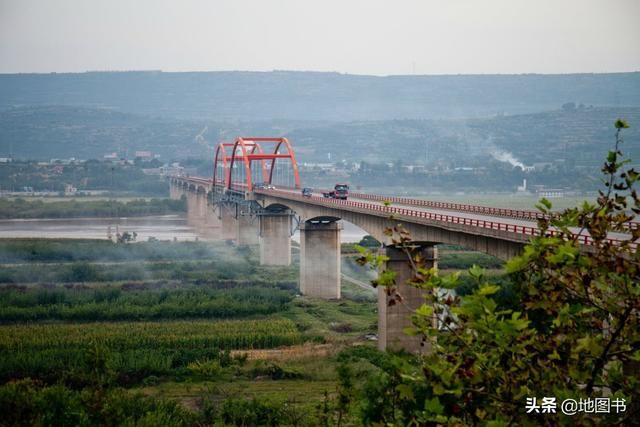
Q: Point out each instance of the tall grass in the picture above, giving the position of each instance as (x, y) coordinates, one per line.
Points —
(64, 351)
(143, 301)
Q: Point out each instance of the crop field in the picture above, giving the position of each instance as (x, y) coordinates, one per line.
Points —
(135, 301)
(191, 332)
(151, 335)
(131, 349)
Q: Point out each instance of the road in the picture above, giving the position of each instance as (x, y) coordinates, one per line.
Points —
(476, 216)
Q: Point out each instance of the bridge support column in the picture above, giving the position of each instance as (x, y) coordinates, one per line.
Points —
(320, 259)
(229, 227)
(275, 239)
(393, 319)
(193, 208)
(247, 230)
(175, 191)
(201, 205)
(209, 223)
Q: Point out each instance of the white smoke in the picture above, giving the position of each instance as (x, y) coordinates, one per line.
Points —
(505, 156)
(200, 138)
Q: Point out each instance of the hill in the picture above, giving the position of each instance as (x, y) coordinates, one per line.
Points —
(579, 137)
(251, 96)
(59, 131)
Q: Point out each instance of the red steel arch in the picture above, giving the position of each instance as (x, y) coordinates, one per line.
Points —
(252, 150)
(221, 156)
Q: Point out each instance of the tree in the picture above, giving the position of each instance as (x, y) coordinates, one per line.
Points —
(575, 337)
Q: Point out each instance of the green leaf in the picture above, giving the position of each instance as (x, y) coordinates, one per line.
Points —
(425, 310)
(488, 289)
(621, 124)
(405, 391)
(477, 273)
(544, 205)
(434, 406)
(516, 264)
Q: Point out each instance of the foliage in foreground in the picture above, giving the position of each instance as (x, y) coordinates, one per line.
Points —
(575, 336)
(27, 403)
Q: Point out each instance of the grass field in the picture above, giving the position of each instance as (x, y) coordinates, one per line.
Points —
(144, 327)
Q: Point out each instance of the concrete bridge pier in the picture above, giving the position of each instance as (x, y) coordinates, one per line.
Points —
(228, 225)
(393, 319)
(320, 259)
(175, 192)
(275, 238)
(209, 221)
(247, 230)
(201, 206)
(193, 209)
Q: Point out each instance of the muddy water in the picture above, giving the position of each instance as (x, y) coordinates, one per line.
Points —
(166, 227)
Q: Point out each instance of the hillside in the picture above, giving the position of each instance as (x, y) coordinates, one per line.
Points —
(45, 132)
(251, 96)
(580, 136)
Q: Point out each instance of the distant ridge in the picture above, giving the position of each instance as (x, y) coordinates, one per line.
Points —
(578, 136)
(329, 96)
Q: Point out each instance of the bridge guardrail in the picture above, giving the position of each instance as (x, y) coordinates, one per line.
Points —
(505, 212)
(512, 213)
(492, 225)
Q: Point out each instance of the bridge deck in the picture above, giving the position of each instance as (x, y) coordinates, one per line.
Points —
(520, 222)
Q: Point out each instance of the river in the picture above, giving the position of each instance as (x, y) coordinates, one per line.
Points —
(165, 227)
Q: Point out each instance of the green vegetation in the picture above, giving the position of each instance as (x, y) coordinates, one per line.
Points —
(132, 350)
(21, 208)
(90, 175)
(193, 333)
(563, 323)
(47, 250)
(573, 333)
(28, 403)
(143, 301)
(465, 259)
(199, 271)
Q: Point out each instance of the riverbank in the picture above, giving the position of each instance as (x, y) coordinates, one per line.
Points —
(29, 209)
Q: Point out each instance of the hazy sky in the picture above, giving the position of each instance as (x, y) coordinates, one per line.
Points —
(351, 36)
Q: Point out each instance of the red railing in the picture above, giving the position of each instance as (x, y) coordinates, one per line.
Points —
(453, 219)
(411, 213)
(512, 213)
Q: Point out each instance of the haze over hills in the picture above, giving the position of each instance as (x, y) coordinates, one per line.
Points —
(60, 131)
(250, 96)
(580, 136)
(560, 123)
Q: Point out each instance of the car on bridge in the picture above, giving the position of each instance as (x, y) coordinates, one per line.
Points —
(340, 191)
(307, 192)
(264, 186)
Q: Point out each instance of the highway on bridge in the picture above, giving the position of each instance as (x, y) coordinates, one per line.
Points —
(514, 220)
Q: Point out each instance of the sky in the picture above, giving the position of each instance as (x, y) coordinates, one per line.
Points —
(373, 37)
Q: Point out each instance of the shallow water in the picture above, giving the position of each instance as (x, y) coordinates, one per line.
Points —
(165, 227)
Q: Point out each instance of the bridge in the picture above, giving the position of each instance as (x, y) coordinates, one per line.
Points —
(254, 198)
